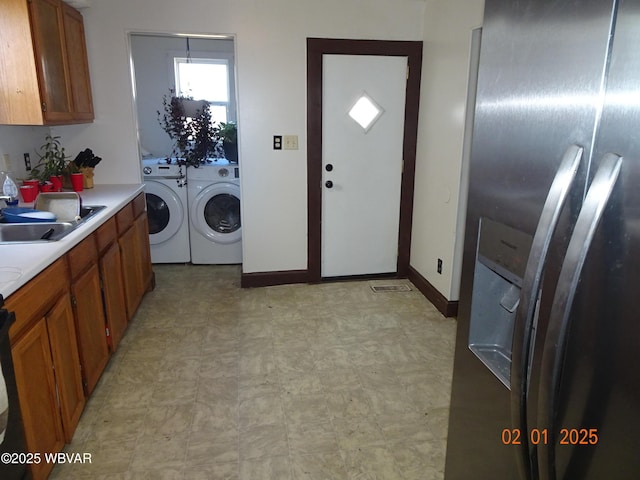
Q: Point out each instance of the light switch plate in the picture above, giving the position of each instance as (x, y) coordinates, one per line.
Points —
(290, 142)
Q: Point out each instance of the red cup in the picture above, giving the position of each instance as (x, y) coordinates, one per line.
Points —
(28, 193)
(76, 181)
(56, 180)
(46, 187)
(33, 183)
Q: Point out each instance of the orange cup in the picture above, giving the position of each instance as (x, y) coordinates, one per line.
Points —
(28, 193)
(76, 181)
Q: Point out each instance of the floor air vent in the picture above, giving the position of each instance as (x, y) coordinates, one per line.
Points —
(390, 288)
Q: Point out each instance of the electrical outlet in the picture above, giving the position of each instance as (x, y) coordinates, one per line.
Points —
(290, 142)
(440, 265)
(277, 142)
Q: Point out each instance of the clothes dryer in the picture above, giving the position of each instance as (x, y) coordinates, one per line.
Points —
(215, 229)
(167, 211)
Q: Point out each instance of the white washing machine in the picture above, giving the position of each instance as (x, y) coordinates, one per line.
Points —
(167, 211)
(215, 229)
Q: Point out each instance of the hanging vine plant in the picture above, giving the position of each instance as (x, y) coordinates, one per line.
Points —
(188, 124)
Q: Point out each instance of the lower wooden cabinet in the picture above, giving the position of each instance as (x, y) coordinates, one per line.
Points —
(131, 277)
(64, 351)
(49, 384)
(141, 225)
(68, 321)
(134, 250)
(37, 391)
(113, 294)
(90, 325)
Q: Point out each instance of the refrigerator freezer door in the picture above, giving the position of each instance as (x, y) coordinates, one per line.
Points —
(541, 76)
(560, 323)
(600, 382)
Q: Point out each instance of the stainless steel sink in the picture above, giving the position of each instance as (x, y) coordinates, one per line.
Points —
(88, 211)
(44, 231)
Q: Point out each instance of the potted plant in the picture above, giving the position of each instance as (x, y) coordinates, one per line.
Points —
(188, 124)
(53, 162)
(228, 132)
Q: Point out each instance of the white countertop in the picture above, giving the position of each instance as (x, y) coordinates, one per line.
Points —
(20, 262)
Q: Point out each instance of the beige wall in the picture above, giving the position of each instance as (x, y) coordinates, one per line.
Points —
(271, 71)
(447, 42)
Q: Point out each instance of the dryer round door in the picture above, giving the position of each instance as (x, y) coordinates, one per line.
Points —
(165, 212)
(215, 213)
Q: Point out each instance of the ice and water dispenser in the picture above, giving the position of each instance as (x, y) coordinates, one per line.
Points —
(501, 260)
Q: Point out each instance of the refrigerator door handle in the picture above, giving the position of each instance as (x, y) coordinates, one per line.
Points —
(559, 319)
(522, 333)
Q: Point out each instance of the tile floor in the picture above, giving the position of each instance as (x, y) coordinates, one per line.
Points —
(297, 382)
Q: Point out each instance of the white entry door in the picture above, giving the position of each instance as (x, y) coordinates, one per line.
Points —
(361, 162)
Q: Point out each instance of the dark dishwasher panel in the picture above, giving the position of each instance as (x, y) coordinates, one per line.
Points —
(12, 466)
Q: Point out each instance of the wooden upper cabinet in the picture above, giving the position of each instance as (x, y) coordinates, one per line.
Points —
(76, 48)
(51, 61)
(45, 74)
(19, 95)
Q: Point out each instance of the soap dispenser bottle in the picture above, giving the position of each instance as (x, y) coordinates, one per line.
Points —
(9, 189)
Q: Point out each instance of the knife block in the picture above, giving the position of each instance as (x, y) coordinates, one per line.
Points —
(87, 176)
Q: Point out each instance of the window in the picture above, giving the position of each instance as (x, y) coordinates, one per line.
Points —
(205, 79)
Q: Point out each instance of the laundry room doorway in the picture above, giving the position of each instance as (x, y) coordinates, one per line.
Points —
(170, 64)
(362, 104)
(189, 70)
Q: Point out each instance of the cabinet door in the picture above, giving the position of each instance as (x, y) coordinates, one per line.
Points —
(90, 326)
(142, 238)
(78, 64)
(53, 72)
(19, 94)
(64, 350)
(37, 391)
(113, 293)
(131, 273)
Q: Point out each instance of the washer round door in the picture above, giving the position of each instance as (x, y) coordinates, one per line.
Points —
(165, 212)
(215, 213)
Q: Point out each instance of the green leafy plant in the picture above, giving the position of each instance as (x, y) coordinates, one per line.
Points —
(53, 160)
(194, 135)
(228, 133)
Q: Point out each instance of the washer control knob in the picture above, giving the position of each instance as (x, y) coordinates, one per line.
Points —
(146, 170)
(223, 172)
(328, 184)
(329, 167)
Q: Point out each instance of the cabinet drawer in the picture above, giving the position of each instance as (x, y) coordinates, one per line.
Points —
(35, 298)
(82, 256)
(139, 205)
(106, 234)
(124, 218)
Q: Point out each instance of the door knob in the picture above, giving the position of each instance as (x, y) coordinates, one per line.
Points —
(328, 184)
(329, 167)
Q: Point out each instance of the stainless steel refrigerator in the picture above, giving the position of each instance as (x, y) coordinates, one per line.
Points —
(546, 380)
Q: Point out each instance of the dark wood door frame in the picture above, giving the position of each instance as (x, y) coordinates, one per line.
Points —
(316, 48)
